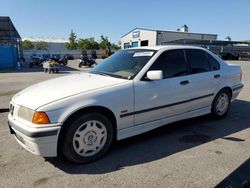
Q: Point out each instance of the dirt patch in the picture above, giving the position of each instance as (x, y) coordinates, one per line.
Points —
(41, 181)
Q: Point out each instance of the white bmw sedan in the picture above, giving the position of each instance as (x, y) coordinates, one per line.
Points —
(131, 92)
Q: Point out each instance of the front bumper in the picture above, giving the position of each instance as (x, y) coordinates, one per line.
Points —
(39, 141)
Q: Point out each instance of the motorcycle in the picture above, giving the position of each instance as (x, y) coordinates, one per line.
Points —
(60, 61)
(86, 61)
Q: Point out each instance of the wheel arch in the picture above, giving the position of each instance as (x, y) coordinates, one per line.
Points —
(229, 89)
(90, 109)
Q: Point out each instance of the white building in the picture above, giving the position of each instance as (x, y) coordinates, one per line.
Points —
(148, 37)
(55, 45)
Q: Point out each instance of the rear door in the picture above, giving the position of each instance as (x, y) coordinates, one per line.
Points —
(204, 77)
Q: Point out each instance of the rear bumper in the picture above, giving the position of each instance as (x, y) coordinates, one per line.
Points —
(39, 141)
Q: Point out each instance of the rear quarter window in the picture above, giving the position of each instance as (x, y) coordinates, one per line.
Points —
(214, 64)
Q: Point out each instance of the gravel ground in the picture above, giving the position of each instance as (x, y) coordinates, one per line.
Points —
(199, 152)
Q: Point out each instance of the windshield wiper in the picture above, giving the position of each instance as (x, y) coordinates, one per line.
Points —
(109, 74)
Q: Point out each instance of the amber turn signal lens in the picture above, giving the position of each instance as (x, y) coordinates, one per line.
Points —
(40, 118)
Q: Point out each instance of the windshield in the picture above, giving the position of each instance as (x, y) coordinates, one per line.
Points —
(124, 64)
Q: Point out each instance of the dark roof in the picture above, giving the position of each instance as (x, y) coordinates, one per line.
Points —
(7, 28)
(205, 42)
(166, 31)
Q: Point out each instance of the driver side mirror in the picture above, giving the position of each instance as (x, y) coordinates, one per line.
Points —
(155, 75)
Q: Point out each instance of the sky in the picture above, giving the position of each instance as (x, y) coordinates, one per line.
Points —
(114, 18)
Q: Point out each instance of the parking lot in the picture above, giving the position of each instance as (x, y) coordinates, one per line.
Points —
(199, 152)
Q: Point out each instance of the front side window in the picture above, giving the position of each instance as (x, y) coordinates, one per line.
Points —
(198, 60)
(124, 64)
(172, 63)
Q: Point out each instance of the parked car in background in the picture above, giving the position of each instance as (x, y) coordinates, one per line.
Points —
(131, 92)
(229, 56)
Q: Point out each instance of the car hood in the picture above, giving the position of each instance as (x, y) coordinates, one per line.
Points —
(49, 91)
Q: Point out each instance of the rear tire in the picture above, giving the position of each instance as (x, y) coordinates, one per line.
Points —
(221, 104)
(87, 138)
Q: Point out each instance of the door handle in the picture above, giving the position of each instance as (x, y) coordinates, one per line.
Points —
(184, 82)
(216, 76)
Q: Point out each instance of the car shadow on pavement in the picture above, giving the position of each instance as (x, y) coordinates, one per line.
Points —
(238, 178)
(4, 110)
(165, 141)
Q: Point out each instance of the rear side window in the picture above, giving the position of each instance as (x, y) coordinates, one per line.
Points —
(172, 63)
(198, 60)
(214, 64)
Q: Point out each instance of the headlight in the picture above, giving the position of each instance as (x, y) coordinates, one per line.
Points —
(25, 113)
(33, 116)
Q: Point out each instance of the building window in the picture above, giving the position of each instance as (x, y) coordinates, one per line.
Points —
(126, 45)
(134, 44)
(144, 43)
(136, 34)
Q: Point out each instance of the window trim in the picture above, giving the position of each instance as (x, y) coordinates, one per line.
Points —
(188, 65)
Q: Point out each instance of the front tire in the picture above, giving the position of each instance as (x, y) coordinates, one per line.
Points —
(87, 138)
(221, 104)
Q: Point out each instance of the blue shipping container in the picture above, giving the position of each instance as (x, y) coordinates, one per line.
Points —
(8, 56)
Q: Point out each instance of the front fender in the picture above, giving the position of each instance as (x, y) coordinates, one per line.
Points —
(116, 100)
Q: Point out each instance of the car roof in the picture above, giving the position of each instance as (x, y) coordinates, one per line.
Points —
(168, 47)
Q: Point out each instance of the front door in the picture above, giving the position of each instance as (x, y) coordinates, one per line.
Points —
(168, 97)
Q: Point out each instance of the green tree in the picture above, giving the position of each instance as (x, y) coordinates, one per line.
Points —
(104, 43)
(28, 45)
(115, 46)
(86, 44)
(41, 45)
(72, 44)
